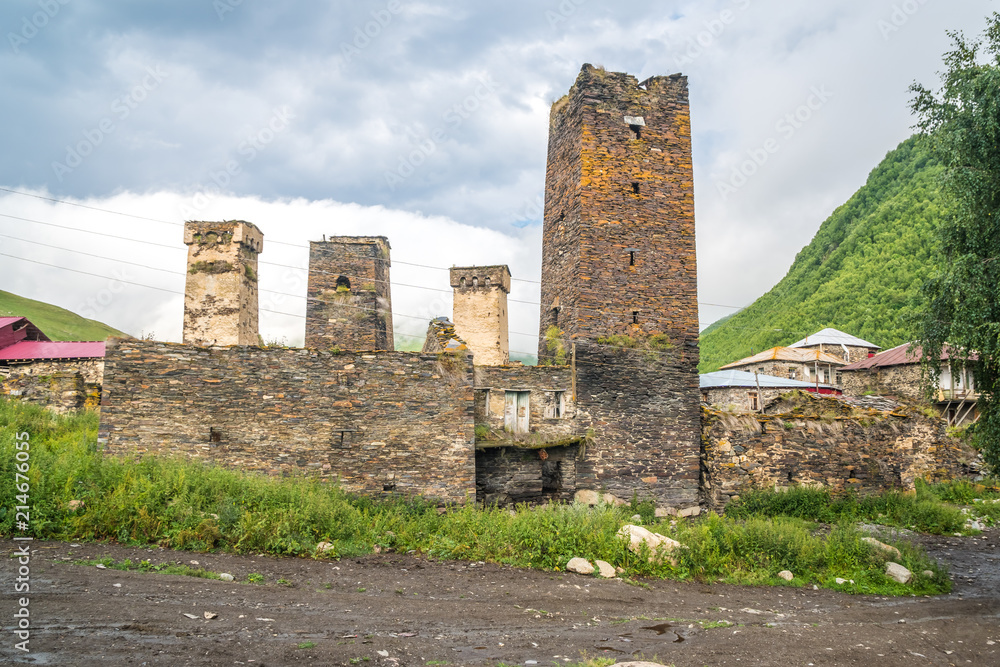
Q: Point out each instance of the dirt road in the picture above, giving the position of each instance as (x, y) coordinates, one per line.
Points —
(402, 610)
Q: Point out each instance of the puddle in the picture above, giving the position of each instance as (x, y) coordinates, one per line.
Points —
(665, 628)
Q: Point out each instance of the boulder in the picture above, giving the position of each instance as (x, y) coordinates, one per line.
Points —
(689, 512)
(660, 546)
(786, 575)
(664, 512)
(882, 546)
(580, 566)
(898, 573)
(636, 518)
(613, 500)
(324, 548)
(606, 570)
(587, 497)
(225, 576)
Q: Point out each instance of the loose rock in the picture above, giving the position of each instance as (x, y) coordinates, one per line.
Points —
(210, 615)
(898, 572)
(580, 566)
(659, 546)
(606, 570)
(882, 546)
(325, 547)
(664, 512)
(786, 575)
(225, 576)
(689, 512)
(587, 497)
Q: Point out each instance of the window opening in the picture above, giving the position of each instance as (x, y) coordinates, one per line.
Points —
(214, 435)
(631, 257)
(486, 282)
(475, 281)
(636, 131)
(343, 284)
(461, 283)
(754, 400)
(635, 188)
(635, 317)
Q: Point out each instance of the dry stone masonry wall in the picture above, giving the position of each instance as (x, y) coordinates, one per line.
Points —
(380, 422)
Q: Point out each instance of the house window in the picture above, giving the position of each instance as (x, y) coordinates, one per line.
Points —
(754, 400)
(791, 373)
(516, 411)
(556, 409)
(840, 378)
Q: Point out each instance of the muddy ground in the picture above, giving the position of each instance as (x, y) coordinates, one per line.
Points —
(393, 609)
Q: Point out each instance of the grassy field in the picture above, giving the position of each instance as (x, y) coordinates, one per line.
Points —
(57, 323)
(187, 505)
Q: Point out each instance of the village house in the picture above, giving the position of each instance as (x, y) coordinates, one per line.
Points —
(60, 374)
(839, 344)
(751, 391)
(806, 365)
(897, 372)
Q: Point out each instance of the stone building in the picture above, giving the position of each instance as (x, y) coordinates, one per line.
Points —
(220, 297)
(62, 375)
(897, 372)
(750, 392)
(839, 344)
(349, 303)
(480, 311)
(806, 365)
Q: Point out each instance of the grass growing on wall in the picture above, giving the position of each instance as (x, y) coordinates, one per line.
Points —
(187, 505)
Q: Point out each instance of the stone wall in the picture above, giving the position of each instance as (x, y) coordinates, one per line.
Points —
(220, 294)
(643, 408)
(902, 380)
(832, 445)
(618, 254)
(507, 475)
(738, 398)
(349, 304)
(92, 370)
(386, 422)
(480, 312)
(59, 390)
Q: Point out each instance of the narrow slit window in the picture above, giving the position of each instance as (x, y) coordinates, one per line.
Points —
(631, 257)
(214, 435)
(636, 131)
(635, 188)
(635, 317)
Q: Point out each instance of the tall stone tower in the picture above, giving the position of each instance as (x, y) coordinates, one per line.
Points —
(619, 280)
(480, 312)
(349, 301)
(618, 254)
(220, 296)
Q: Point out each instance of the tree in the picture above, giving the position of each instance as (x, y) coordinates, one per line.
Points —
(962, 307)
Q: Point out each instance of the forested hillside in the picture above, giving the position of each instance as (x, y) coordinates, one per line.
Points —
(861, 273)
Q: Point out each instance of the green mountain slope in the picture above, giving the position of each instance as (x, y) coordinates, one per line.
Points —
(57, 323)
(861, 273)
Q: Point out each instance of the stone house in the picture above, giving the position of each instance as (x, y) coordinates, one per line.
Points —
(806, 365)
(750, 392)
(897, 372)
(62, 375)
(838, 344)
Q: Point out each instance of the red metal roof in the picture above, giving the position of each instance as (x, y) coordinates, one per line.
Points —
(16, 329)
(36, 350)
(897, 356)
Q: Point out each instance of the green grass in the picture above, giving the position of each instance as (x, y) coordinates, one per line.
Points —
(184, 504)
(922, 511)
(55, 322)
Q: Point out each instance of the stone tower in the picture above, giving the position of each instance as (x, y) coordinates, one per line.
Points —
(220, 296)
(349, 305)
(619, 280)
(618, 253)
(480, 312)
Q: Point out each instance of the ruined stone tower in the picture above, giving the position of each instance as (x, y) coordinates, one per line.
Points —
(220, 296)
(618, 254)
(619, 280)
(349, 305)
(480, 312)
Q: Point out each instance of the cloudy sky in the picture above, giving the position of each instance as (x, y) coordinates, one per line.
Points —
(424, 121)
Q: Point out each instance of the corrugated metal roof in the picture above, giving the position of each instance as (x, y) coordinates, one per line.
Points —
(897, 356)
(15, 329)
(720, 379)
(32, 350)
(786, 354)
(4, 321)
(834, 337)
